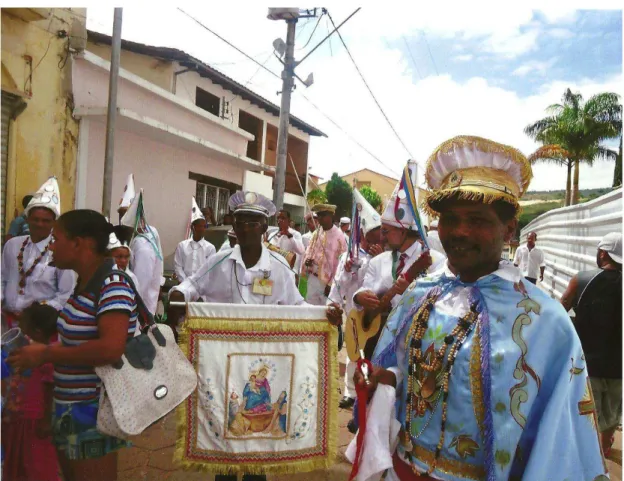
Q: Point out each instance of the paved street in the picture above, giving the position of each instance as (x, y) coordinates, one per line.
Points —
(151, 458)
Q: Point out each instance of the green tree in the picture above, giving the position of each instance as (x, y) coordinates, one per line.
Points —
(340, 194)
(371, 196)
(617, 174)
(577, 129)
(316, 196)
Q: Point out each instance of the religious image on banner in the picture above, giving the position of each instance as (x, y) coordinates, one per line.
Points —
(267, 396)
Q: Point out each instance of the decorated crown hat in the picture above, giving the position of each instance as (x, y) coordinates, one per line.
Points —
(402, 207)
(129, 193)
(245, 202)
(474, 168)
(47, 197)
(115, 243)
(324, 208)
(369, 217)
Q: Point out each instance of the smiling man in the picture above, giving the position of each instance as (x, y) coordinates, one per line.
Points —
(490, 377)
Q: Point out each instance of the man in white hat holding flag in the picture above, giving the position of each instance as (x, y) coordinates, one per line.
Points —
(400, 233)
(28, 272)
(191, 254)
(147, 257)
(350, 275)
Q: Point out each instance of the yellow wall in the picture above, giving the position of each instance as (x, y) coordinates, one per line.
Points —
(382, 184)
(159, 72)
(43, 139)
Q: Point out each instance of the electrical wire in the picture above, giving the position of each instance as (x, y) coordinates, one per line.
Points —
(329, 39)
(430, 55)
(409, 50)
(313, 32)
(349, 136)
(369, 89)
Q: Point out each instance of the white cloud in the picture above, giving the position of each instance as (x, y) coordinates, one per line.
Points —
(464, 58)
(425, 113)
(534, 66)
(560, 33)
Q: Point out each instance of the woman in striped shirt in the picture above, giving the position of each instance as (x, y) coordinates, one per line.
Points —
(90, 335)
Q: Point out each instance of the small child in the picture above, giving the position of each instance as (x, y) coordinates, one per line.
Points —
(26, 418)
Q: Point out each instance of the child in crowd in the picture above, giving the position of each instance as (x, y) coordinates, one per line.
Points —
(29, 453)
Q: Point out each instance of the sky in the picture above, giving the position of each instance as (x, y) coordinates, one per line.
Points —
(437, 71)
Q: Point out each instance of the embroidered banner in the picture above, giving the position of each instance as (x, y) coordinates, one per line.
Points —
(267, 396)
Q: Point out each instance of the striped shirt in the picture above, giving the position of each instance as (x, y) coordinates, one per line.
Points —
(77, 324)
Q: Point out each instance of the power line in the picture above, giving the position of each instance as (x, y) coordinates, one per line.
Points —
(430, 55)
(303, 95)
(313, 31)
(369, 89)
(412, 56)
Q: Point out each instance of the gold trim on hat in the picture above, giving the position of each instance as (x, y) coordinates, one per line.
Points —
(324, 208)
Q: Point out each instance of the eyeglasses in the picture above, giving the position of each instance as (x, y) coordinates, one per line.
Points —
(252, 224)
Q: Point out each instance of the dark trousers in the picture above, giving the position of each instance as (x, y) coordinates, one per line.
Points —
(532, 280)
(246, 477)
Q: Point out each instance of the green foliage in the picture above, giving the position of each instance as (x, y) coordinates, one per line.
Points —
(371, 196)
(532, 211)
(617, 173)
(340, 194)
(316, 196)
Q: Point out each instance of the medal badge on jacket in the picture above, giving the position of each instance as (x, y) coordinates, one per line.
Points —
(263, 285)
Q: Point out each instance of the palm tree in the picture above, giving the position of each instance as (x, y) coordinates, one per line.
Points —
(577, 129)
(555, 154)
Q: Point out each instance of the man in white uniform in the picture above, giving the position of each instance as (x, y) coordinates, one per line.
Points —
(311, 222)
(288, 239)
(28, 272)
(191, 254)
(399, 232)
(345, 226)
(530, 259)
(147, 258)
(350, 276)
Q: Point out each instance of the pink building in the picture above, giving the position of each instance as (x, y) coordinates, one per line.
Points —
(183, 128)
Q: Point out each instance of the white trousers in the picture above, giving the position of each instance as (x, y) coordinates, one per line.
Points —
(316, 292)
(349, 387)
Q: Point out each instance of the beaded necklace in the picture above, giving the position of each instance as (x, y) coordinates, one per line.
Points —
(20, 265)
(454, 341)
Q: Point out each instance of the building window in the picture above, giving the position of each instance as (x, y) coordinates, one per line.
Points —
(207, 101)
(253, 125)
(214, 197)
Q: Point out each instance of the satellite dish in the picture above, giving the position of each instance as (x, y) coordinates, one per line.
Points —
(309, 81)
(280, 46)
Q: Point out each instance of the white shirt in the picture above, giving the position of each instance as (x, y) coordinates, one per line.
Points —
(306, 238)
(346, 283)
(529, 261)
(379, 278)
(226, 279)
(433, 238)
(294, 245)
(46, 283)
(190, 256)
(130, 274)
(148, 268)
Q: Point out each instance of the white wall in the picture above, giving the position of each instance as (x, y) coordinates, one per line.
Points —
(569, 237)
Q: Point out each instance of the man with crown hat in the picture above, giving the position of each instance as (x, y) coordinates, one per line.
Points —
(191, 254)
(147, 257)
(400, 231)
(350, 275)
(28, 271)
(322, 255)
(487, 371)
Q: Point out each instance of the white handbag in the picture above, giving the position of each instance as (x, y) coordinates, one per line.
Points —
(152, 377)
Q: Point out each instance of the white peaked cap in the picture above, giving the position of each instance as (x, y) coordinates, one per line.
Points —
(48, 197)
(196, 212)
(401, 215)
(129, 193)
(129, 219)
(369, 217)
(114, 243)
(345, 220)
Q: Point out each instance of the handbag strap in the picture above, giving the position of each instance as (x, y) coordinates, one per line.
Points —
(144, 318)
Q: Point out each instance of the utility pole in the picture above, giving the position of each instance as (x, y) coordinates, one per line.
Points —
(290, 15)
(279, 182)
(112, 113)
